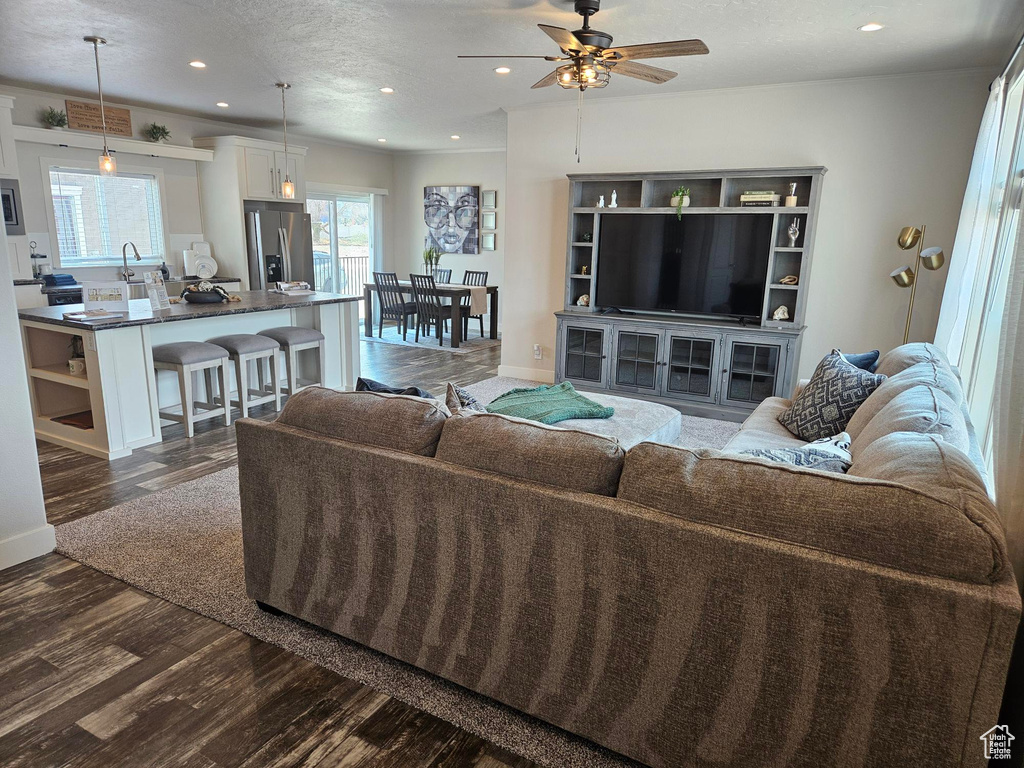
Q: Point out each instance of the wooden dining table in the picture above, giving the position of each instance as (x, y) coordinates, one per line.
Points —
(452, 291)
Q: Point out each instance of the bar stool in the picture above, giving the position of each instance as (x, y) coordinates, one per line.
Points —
(245, 348)
(293, 340)
(187, 359)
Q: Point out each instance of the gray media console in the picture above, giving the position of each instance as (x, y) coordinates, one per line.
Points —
(699, 365)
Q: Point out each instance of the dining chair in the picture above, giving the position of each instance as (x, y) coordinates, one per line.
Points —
(471, 277)
(429, 309)
(393, 305)
(442, 276)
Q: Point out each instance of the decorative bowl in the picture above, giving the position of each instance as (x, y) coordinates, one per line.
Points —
(204, 297)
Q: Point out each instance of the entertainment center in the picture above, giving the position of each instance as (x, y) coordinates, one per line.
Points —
(688, 313)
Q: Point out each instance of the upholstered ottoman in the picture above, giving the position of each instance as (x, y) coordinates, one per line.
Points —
(635, 421)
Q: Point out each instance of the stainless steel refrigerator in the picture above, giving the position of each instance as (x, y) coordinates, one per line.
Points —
(279, 244)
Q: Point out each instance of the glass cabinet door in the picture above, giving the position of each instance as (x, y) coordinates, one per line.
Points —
(690, 372)
(753, 372)
(584, 354)
(635, 362)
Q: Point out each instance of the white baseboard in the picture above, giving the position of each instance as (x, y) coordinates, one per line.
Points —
(533, 374)
(26, 546)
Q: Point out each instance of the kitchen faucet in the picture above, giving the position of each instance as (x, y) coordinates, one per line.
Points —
(128, 274)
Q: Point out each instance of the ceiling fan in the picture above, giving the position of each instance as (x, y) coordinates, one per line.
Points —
(591, 59)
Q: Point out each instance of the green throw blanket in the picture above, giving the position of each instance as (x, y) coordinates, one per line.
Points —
(549, 405)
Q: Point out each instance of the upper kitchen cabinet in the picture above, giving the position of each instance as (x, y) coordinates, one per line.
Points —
(243, 169)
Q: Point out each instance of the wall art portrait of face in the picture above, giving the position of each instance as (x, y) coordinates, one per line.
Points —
(452, 216)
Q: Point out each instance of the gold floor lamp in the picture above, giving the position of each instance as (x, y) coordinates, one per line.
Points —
(906, 277)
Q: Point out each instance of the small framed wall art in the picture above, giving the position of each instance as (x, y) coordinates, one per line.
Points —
(489, 220)
(487, 241)
(489, 198)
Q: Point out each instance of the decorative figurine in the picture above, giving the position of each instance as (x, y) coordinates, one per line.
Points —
(615, 199)
(600, 202)
(588, 237)
(791, 197)
(782, 313)
(789, 280)
(584, 270)
(794, 231)
(583, 301)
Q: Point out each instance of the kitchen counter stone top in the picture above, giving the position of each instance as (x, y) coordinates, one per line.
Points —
(140, 312)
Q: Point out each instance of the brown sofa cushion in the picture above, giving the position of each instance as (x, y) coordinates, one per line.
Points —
(527, 450)
(921, 409)
(400, 422)
(932, 374)
(871, 520)
(900, 358)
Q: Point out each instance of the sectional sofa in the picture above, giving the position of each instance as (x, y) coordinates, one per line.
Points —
(680, 607)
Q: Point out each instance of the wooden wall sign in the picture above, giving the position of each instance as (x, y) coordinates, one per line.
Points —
(85, 116)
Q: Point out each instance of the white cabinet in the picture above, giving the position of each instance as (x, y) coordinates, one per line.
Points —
(265, 169)
(260, 174)
(8, 160)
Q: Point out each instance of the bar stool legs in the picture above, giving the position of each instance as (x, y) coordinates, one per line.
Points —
(248, 395)
(291, 366)
(189, 405)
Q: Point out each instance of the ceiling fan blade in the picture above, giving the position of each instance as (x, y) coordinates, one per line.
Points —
(655, 75)
(549, 79)
(566, 40)
(657, 50)
(548, 58)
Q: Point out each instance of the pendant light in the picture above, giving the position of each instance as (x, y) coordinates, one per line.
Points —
(108, 165)
(287, 186)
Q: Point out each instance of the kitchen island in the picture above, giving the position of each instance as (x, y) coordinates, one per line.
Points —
(114, 404)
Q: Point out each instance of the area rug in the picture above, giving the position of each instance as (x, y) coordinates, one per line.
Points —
(474, 343)
(695, 431)
(184, 544)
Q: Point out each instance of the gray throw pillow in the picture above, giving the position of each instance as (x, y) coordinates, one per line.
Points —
(829, 400)
(830, 454)
(458, 399)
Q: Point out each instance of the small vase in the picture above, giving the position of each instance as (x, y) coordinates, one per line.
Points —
(674, 202)
(686, 201)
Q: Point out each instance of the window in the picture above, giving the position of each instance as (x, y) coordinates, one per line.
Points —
(95, 215)
(343, 241)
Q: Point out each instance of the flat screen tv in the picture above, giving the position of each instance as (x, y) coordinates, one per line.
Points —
(704, 264)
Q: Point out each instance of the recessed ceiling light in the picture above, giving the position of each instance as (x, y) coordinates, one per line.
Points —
(223, 104)
(502, 70)
(387, 89)
(197, 64)
(382, 141)
(455, 137)
(871, 26)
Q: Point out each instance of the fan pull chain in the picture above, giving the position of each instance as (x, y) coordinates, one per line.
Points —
(579, 126)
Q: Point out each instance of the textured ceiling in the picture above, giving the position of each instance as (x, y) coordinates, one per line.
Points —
(338, 53)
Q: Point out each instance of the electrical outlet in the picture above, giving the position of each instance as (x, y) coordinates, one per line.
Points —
(90, 342)
(538, 354)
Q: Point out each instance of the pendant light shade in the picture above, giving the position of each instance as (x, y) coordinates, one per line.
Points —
(287, 186)
(107, 163)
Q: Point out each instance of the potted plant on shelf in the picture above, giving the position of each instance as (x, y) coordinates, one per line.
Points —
(55, 119)
(156, 133)
(680, 199)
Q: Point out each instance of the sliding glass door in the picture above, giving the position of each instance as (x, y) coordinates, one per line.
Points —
(344, 246)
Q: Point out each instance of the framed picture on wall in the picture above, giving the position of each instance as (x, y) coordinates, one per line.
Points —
(489, 199)
(489, 220)
(452, 216)
(487, 241)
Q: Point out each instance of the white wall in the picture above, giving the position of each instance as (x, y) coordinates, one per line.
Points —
(327, 163)
(415, 171)
(898, 150)
(24, 532)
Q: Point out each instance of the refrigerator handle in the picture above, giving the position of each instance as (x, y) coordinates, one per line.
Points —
(256, 253)
(285, 254)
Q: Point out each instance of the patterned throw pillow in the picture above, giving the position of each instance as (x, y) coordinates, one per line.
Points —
(457, 399)
(831, 397)
(830, 454)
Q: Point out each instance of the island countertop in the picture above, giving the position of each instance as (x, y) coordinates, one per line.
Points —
(140, 312)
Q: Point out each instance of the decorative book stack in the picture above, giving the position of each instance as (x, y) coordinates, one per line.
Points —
(759, 199)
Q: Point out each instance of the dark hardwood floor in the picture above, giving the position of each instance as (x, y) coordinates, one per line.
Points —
(94, 672)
